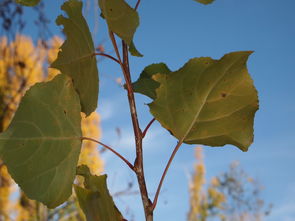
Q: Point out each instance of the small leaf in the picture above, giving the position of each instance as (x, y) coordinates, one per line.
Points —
(76, 55)
(205, 2)
(133, 51)
(210, 102)
(121, 18)
(42, 144)
(95, 199)
(28, 2)
(146, 84)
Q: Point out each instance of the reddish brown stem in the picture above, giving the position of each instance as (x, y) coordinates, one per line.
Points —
(137, 4)
(108, 56)
(164, 174)
(147, 127)
(111, 149)
(138, 164)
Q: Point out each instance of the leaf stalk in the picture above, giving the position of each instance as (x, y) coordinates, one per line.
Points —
(111, 149)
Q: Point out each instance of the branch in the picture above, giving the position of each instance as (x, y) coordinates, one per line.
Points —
(111, 149)
(164, 174)
(108, 56)
(147, 127)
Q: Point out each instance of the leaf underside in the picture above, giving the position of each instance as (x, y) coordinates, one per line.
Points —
(42, 144)
(210, 102)
(28, 2)
(146, 84)
(121, 18)
(95, 199)
(76, 57)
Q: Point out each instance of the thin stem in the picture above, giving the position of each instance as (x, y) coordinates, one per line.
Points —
(111, 149)
(137, 4)
(112, 37)
(138, 164)
(108, 56)
(164, 174)
(147, 127)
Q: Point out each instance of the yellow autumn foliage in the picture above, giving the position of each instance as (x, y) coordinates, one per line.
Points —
(203, 201)
(22, 64)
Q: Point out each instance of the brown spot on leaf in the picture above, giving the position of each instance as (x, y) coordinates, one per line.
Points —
(223, 94)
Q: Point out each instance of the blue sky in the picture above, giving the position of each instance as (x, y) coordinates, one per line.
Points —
(173, 31)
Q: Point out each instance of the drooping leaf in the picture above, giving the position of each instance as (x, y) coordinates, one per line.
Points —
(95, 199)
(42, 144)
(28, 2)
(210, 102)
(76, 56)
(146, 84)
(133, 51)
(121, 18)
(205, 2)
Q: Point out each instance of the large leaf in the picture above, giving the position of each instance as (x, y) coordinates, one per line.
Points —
(95, 199)
(76, 56)
(42, 144)
(205, 2)
(210, 102)
(28, 2)
(121, 18)
(146, 84)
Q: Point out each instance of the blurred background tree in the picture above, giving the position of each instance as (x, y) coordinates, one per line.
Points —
(23, 63)
(230, 196)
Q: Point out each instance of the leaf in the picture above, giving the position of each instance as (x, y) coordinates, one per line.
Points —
(76, 56)
(42, 144)
(210, 102)
(133, 51)
(205, 2)
(28, 2)
(121, 18)
(146, 84)
(95, 199)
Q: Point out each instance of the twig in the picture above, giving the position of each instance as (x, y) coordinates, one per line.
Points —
(111, 149)
(137, 4)
(164, 174)
(147, 127)
(108, 56)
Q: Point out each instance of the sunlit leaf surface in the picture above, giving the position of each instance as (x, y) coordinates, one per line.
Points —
(210, 102)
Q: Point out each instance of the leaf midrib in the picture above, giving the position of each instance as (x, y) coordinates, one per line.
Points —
(204, 102)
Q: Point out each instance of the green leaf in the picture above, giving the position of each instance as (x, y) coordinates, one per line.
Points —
(146, 84)
(42, 144)
(95, 199)
(76, 55)
(210, 102)
(133, 51)
(28, 2)
(205, 2)
(121, 18)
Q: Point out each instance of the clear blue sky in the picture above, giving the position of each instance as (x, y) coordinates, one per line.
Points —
(174, 31)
